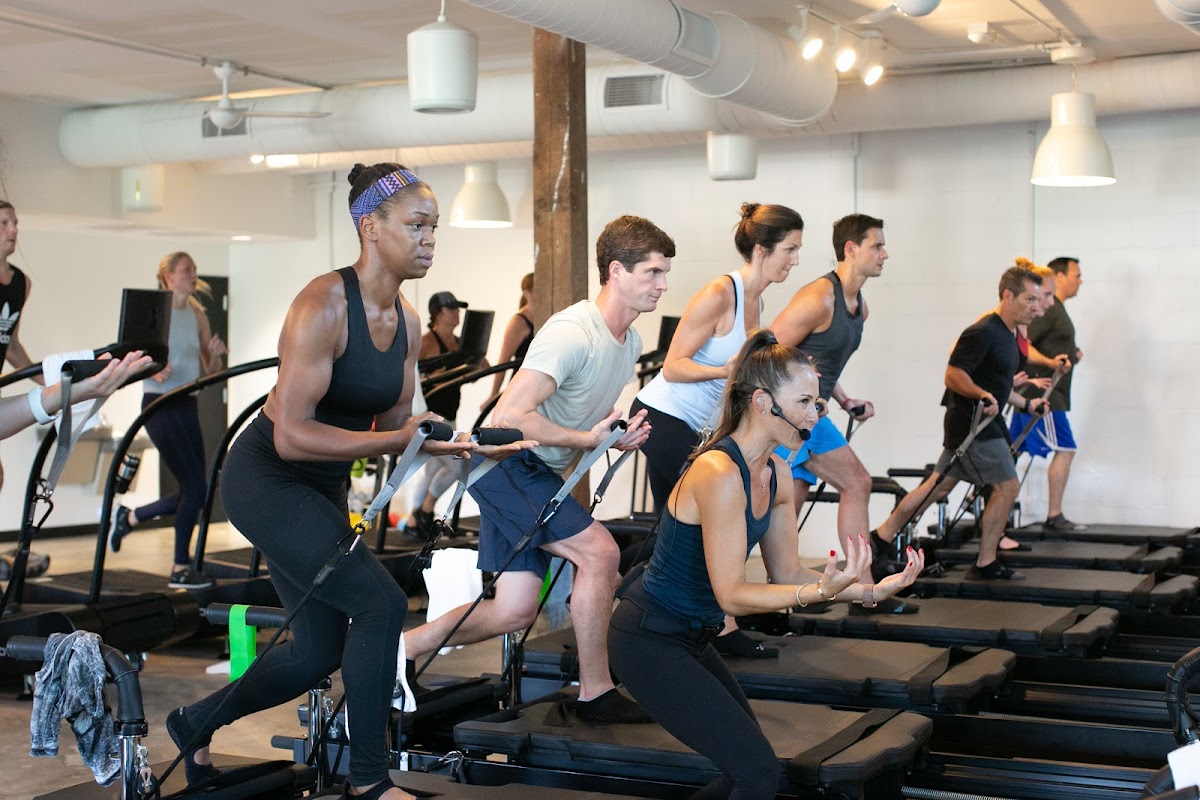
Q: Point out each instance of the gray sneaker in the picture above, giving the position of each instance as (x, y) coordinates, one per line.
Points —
(1061, 524)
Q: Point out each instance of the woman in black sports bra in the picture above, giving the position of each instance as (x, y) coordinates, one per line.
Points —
(342, 393)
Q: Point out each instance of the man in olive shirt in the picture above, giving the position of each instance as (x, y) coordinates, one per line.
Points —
(1053, 334)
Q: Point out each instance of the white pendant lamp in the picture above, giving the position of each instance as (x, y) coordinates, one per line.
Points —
(443, 67)
(1073, 153)
(480, 203)
(732, 156)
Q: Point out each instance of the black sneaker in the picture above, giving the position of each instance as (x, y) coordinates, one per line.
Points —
(994, 571)
(737, 644)
(1061, 524)
(891, 605)
(420, 524)
(120, 528)
(188, 578)
(612, 707)
(181, 733)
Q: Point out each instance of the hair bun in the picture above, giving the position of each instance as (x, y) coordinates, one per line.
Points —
(748, 210)
(1025, 262)
(355, 172)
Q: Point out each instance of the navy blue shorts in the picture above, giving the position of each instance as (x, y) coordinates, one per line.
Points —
(825, 437)
(511, 497)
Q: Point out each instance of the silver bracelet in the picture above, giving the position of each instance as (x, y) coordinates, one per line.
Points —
(36, 408)
(868, 597)
(800, 602)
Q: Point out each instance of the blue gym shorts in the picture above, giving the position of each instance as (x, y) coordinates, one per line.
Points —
(825, 437)
(510, 498)
(1051, 434)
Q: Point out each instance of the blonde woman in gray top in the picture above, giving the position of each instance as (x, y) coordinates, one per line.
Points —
(175, 428)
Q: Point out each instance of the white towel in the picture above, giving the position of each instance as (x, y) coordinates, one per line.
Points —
(452, 579)
(403, 698)
(52, 374)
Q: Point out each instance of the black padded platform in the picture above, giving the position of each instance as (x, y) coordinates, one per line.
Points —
(1077, 555)
(440, 786)
(246, 778)
(1120, 590)
(1025, 628)
(817, 746)
(817, 669)
(74, 587)
(1112, 534)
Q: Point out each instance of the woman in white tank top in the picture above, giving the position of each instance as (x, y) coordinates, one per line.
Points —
(685, 396)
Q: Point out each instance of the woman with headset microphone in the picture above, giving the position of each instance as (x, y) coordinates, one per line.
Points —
(728, 501)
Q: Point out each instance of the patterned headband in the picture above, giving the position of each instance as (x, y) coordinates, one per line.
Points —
(381, 190)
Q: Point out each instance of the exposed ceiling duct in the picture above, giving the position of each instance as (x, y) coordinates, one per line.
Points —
(721, 56)
(622, 101)
(646, 107)
(1184, 12)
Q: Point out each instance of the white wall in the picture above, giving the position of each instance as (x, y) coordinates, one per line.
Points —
(958, 207)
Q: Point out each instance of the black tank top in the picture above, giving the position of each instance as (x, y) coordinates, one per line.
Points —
(12, 300)
(366, 381)
(445, 403)
(832, 347)
(523, 347)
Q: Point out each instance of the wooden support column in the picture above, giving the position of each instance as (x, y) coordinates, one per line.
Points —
(561, 260)
(560, 245)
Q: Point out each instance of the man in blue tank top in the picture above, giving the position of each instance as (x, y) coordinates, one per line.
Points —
(825, 320)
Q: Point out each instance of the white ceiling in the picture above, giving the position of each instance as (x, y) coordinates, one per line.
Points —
(356, 41)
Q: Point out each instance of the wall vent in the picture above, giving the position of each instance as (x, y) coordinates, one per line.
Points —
(210, 131)
(625, 91)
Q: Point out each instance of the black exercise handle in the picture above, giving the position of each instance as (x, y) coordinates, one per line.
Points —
(26, 648)
(258, 616)
(122, 674)
(496, 436)
(438, 431)
(82, 370)
(858, 411)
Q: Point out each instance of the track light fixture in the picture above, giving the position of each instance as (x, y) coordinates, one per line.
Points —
(845, 53)
(804, 34)
(872, 67)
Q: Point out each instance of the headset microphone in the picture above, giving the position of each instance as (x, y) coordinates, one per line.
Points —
(805, 435)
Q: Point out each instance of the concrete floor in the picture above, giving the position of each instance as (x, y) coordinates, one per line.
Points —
(172, 677)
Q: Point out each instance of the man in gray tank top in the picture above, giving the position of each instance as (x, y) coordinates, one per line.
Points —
(825, 320)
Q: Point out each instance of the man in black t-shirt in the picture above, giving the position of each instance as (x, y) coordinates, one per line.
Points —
(1054, 335)
(981, 370)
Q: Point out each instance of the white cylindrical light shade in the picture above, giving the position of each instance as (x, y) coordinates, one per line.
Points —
(1073, 153)
(142, 188)
(732, 157)
(480, 203)
(916, 8)
(443, 68)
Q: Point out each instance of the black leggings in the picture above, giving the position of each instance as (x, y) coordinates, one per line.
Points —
(689, 691)
(295, 513)
(175, 431)
(666, 451)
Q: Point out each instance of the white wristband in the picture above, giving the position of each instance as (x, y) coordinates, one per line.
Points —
(35, 406)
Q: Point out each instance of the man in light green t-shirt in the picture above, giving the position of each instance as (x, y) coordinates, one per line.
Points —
(562, 397)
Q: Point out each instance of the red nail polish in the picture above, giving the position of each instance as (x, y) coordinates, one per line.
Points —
(833, 552)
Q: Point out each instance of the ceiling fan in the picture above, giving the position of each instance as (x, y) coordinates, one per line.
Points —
(225, 115)
(908, 8)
